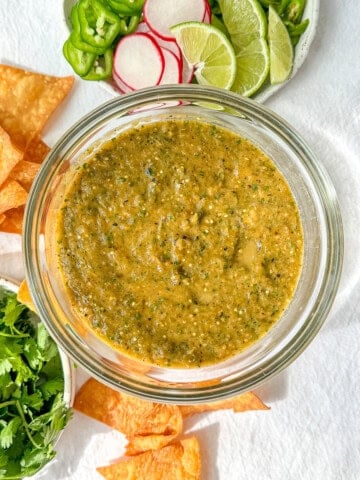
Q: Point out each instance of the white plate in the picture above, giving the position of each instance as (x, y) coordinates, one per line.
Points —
(301, 50)
(68, 368)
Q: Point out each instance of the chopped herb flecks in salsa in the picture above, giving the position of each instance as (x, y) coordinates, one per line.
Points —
(179, 243)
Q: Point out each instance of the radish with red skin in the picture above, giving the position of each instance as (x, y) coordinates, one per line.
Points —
(207, 15)
(168, 44)
(138, 61)
(160, 15)
(142, 28)
(173, 68)
(120, 85)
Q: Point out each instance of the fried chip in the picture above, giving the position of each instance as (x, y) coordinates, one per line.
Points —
(27, 100)
(25, 172)
(24, 296)
(12, 195)
(147, 425)
(2, 218)
(36, 150)
(240, 403)
(9, 155)
(13, 220)
(178, 461)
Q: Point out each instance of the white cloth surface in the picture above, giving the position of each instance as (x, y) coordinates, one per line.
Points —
(312, 431)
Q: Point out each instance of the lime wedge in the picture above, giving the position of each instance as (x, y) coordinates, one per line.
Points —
(252, 67)
(281, 50)
(207, 49)
(245, 21)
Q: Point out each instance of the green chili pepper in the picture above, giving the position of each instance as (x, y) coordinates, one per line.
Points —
(282, 6)
(75, 36)
(101, 67)
(267, 3)
(129, 24)
(126, 8)
(80, 61)
(295, 31)
(294, 11)
(99, 26)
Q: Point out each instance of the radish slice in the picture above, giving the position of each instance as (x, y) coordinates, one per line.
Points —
(138, 61)
(168, 44)
(207, 15)
(160, 15)
(173, 68)
(142, 28)
(121, 85)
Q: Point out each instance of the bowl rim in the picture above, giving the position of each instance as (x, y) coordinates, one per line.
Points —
(324, 186)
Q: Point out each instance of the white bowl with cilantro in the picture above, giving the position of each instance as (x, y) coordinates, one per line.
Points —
(36, 389)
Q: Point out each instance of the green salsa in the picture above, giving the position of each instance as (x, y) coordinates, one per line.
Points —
(179, 243)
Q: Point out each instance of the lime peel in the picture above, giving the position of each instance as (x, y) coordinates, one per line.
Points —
(207, 49)
(246, 23)
(281, 49)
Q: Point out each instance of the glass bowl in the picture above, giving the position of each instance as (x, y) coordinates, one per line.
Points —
(323, 245)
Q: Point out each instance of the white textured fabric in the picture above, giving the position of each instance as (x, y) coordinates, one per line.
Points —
(312, 431)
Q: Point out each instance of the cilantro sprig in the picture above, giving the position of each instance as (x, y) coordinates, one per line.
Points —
(32, 410)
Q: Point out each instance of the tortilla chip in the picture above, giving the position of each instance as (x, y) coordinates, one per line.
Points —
(13, 221)
(25, 172)
(24, 296)
(178, 461)
(27, 100)
(2, 218)
(12, 195)
(147, 425)
(36, 150)
(240, 403)
(9, 155)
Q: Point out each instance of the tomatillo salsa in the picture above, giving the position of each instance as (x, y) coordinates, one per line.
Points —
(179, 243)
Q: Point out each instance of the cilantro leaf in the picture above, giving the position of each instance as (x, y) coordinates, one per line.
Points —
(8, 432)
(5, 366)
(52, 387)
(32, 410)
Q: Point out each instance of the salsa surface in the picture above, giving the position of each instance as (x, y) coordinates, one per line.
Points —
(179, 243)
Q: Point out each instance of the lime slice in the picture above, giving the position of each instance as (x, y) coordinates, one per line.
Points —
(207, 49)
(245, 21)
(281, 50)
(252, 67)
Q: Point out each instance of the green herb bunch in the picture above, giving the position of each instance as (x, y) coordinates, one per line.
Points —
(32, 410)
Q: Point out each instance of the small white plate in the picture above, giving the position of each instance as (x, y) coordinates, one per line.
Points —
(67, 364)
(301, 50)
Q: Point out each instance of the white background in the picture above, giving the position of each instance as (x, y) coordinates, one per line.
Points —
(313, 428)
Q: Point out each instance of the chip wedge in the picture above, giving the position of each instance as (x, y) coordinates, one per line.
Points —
(10, 155)
(12, 195)
(147, 425)
(13, 221)
(27, 100)
(178, 461)
(24, 296)
(240, 403)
